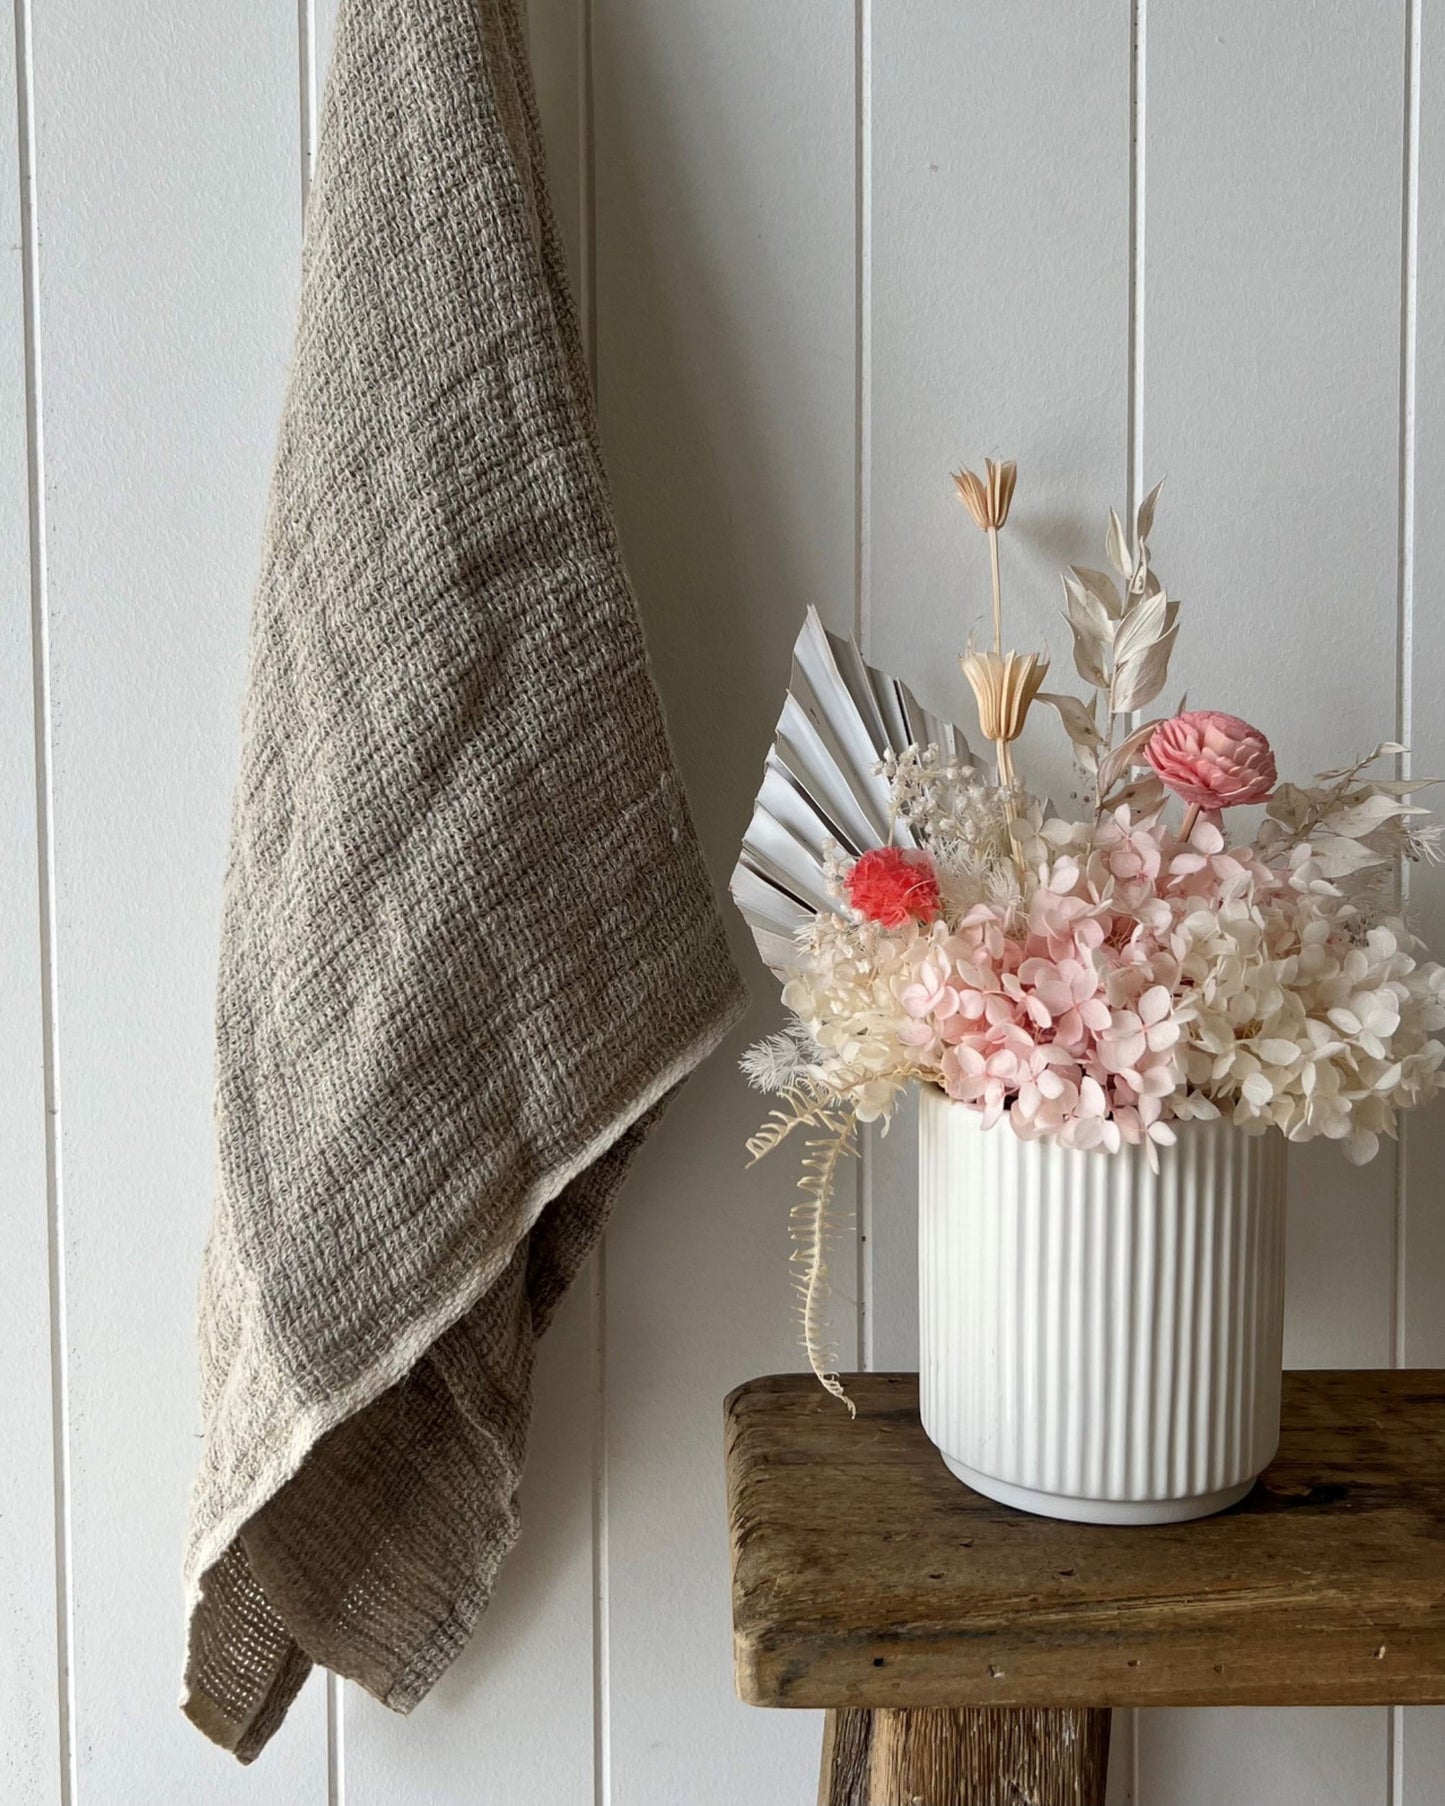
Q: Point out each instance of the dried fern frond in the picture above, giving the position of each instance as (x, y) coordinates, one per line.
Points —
(831, 1110)
(811, 1229)
(806, 1106)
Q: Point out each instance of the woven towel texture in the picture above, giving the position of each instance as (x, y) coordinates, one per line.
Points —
(469, 946)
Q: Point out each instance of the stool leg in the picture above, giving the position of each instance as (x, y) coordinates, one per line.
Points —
(843, 1777)
(965, 1756)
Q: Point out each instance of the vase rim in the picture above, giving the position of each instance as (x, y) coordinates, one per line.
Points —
(1192, 1126)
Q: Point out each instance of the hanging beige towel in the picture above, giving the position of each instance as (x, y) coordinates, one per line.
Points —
(469, 945)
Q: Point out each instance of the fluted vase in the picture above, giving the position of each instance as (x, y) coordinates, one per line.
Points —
(1100, 1340)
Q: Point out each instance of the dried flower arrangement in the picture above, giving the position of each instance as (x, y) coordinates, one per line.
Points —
(1091, 981)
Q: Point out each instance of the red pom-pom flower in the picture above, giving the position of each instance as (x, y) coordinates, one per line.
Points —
(891, 886)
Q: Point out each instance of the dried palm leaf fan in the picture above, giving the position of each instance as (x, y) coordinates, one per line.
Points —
(821, 784)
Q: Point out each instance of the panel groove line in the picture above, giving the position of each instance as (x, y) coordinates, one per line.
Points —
(1418, 1747)
(585, 174)
(307, 89)
(862, 491)
(54, 1203)
(1404, 677)
(601, 1591)
(1138, 294)
(308, 80)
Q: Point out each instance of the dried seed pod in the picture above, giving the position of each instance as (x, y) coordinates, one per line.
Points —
(1004, 684)
(988, 502)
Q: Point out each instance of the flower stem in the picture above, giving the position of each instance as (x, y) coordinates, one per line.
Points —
(1191, 815)
(1006, 784)
(1005, 757)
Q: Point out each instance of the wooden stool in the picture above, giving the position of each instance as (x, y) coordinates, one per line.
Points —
(968, 1654)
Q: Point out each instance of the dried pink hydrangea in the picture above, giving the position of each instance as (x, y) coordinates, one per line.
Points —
(1146, 978)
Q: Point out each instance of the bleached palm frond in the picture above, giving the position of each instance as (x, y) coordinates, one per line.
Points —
(823, 792)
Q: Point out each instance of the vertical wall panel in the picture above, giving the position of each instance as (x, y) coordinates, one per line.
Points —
(999, 273)
(1272, 346)
(1255, 1757)
(726, 346)
(999, 283)
(1271, 387)
(1421, 1756)
(30, 1750)
(1000, 322)
(168, 156)
(513, 1719)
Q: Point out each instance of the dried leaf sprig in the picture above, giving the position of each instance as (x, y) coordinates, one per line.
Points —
(1122, 642)
(1348, 824)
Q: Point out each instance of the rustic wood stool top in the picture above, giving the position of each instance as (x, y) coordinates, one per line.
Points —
(865, 1575)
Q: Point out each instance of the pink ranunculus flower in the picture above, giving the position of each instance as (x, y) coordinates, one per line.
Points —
(1212, 761)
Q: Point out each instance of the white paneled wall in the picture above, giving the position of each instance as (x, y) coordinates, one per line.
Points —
(825, 249)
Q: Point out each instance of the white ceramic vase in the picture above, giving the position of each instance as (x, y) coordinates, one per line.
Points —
(1097, 1340)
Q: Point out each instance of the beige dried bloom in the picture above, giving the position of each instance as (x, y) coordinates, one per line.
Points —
(988, 502)
(1004, 684)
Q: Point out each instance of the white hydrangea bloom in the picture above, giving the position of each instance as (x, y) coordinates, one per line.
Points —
(1307, 1019)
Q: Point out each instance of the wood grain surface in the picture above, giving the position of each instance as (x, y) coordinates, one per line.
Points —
(969, 1756)
(864, 1574)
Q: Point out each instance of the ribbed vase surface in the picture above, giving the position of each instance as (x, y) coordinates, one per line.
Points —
(1097, 1340)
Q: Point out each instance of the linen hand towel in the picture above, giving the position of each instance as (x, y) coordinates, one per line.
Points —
(469, 945)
